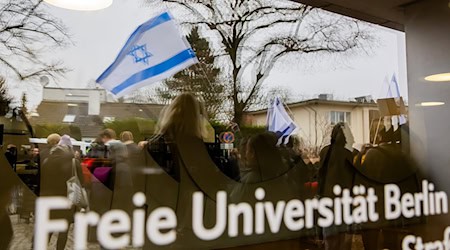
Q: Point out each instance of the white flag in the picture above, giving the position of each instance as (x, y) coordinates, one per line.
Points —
(279, 122)
(394, 92)
(155, 51)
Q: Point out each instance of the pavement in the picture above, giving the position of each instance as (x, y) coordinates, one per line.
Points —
(23, 236)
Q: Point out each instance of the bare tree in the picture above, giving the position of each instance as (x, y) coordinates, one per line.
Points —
(26, 31)
(251, 36)
(5, 98)
(267, 95)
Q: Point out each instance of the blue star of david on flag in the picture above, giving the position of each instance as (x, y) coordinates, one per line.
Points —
(140, 53)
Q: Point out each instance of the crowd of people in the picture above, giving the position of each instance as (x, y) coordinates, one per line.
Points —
(115, 164)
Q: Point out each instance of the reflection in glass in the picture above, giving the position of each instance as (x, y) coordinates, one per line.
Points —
(444, 77)
(83, 5)
(430, 104)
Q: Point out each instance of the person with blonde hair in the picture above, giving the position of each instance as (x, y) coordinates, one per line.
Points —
(53, 139)
(135, 160)
(52, 143)
(127, 137)
(182, 118)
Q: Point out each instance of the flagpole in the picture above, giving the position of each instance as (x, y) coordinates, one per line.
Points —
(370, 128)
(290, 112)
(376, 132)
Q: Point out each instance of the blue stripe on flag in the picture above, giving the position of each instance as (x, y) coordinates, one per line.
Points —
(289, 129)
(150, 24)
(394, 79)
(155, 70)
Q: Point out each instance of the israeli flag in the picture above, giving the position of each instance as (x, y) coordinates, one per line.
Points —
(279, 122)
(394, 92)
(155, 51)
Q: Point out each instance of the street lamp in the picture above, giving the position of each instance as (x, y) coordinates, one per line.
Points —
(83, 5)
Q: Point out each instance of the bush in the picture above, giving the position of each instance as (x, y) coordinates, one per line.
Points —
(144, 128)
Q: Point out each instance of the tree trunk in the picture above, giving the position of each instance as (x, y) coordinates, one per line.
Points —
(238, 114)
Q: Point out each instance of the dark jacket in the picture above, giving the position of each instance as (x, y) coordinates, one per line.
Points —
(336, 168)
(163, 151)
(266, 162)
(387, 164)
(56, 170)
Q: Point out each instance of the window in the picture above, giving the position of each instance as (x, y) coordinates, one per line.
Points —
(108, 119)
(69, 118)
(339, 116)
(72, 109)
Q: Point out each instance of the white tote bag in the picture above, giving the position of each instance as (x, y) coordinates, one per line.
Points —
(75, 192)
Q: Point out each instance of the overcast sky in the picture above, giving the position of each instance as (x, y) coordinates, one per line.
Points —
(98, 36)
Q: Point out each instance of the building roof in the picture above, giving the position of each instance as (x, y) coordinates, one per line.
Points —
(53, 112)
(318, 101)
(388, 13)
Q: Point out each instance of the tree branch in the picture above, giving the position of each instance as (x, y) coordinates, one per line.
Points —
(26, 31)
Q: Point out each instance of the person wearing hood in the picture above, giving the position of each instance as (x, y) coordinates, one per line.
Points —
(55, 172)
(336, 168)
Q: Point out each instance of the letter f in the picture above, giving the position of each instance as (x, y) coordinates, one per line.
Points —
(43, 225)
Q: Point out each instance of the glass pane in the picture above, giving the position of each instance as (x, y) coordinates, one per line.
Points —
(348, 117)
(333, 117)
(341, 116)
(224, 124)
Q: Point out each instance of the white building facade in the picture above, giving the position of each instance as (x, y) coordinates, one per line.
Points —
(316, 118)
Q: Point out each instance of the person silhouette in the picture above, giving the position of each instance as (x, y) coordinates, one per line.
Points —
(264, 160)
(383, 164)
(55, 172)
(183, 117)
(336, 168)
